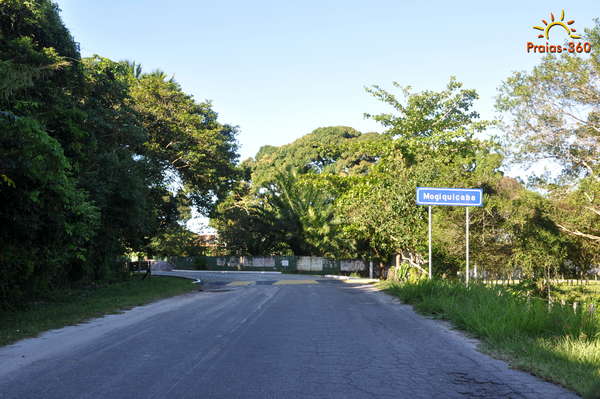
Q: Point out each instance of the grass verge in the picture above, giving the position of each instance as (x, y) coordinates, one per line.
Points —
(68, 307)
(557, 344)
(588, 293)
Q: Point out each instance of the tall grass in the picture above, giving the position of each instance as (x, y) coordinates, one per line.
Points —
(554, 342)
(72, 306)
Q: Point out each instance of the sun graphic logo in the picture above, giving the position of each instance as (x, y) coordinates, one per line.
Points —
(568, 47)
(561, 23)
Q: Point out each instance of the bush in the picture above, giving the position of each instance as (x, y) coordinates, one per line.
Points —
(405, 273)
(45, 220)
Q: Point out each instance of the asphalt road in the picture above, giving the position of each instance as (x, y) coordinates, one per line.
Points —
(262, 336)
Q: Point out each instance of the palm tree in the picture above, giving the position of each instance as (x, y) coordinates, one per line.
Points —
(302, 212)
(135, 68)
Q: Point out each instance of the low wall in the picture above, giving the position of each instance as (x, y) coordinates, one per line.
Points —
(308, 264)
(161, 265)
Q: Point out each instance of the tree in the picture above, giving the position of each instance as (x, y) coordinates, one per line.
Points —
(112, 168)
(35, 45)
(46, 220)
(555, 116)
(186, 144)
(292, 213)
(300, 208)
(334, 149)
(431, 144)
(287, 201)
(46, 223)
(91, 152)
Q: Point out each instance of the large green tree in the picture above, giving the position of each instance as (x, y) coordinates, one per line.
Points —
(334, 149)
(432, 144)
(113, 169)
(46, 220)
(553, 121)
(286, 202)
(186, 143)
(96, 157)
(46, 223)
(553, 115)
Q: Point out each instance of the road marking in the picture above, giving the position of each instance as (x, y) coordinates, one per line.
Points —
(360, 281)
(286, 282)
(239, 283)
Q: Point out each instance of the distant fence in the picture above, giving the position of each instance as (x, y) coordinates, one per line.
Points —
(572, 281)
(313, 264)
(138, 265)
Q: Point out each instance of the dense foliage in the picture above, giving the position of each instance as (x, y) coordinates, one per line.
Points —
(341, 193)
(96, 158)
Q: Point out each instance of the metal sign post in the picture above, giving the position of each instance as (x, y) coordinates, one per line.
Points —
(467, 238)
(429, 241)
(466, 197)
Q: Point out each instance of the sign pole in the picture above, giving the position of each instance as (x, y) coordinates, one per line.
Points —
(467, 236)
(429, 242)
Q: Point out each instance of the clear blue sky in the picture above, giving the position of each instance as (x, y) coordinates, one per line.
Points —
(280, 69)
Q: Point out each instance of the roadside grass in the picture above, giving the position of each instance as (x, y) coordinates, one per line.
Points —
(554, 343)
(73, 306)
(588, 293)
(582, 292)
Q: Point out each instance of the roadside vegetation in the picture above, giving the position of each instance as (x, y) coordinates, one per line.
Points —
(72, 306)
(555, 342)
(582, 293)
(98, 159)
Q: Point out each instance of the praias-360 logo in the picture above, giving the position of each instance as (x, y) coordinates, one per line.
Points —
(561, 24)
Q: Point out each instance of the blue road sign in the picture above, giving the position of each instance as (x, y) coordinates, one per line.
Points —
(450, 196)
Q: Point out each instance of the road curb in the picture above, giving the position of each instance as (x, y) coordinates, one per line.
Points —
(224, 271)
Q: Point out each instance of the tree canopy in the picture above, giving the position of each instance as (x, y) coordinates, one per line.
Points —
(553, 115)
(338, 192)
(97, 158)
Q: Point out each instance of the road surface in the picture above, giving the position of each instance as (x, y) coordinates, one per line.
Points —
(256, 335)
